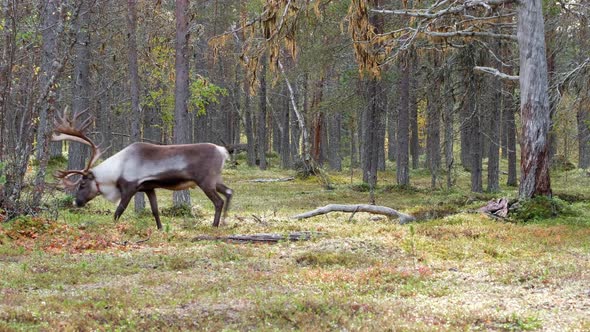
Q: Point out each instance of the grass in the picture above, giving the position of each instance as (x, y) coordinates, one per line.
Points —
(455, 270)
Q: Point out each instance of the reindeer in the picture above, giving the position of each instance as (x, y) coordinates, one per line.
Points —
(143, 167)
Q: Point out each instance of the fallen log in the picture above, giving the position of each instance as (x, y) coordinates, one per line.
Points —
(273, 180)
(260, 238)
(375, 209)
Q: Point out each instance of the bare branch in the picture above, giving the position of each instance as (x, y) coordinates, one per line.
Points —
(459, 9)
(496, 72)
(403, 218)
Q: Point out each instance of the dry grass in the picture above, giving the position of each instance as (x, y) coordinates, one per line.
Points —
(461, 271)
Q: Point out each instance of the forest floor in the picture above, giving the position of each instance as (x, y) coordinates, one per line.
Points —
(455, 269)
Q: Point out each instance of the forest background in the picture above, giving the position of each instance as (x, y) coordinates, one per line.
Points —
(385, 102)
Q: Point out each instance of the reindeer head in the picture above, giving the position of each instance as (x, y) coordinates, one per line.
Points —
(67, 129)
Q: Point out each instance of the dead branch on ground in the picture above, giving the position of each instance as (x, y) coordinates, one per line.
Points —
(375, 209)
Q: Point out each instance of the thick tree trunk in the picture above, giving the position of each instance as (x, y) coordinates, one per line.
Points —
(318, 123)
(182, 127)
(534, 102)
(51, 27)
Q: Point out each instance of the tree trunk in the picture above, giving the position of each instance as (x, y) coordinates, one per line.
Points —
(403, 130)
(286, 132)
(583, 120)
(249, 126)
(391, 132)
(475, 127)
(136, 119)
(494, 140)
(78, 153)
(353, 128)
(511, 146)
(49, 33)
(262, 133)
(182, 132)
(372, 124)
(413, 113)
(467, 62)
(318, 123)
(448, 118)
(534, 102)
(334, 129)
(583, 114)
(51, 28)
(433, 123)
(383, 105)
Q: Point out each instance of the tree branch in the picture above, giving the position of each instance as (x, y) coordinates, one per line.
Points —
(496, 72)
(375, 209)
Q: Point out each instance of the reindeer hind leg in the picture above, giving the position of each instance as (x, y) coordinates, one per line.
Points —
(217, 202)
(227, 192)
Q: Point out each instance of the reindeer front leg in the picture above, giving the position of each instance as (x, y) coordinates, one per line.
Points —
(151, 194)
(125, 199)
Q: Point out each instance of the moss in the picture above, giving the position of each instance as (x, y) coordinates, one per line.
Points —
(539, 208)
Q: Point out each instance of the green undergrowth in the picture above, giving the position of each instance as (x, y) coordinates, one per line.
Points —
(452, 270)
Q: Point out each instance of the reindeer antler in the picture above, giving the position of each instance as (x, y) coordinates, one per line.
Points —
(64, 177)
(68, 129)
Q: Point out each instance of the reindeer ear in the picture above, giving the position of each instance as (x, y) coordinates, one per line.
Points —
(90, 176)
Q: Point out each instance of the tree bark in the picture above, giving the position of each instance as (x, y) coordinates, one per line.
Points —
(51, 28)
(262, 132)
(466, 113)
(334, 129)
(372, 123)
(583, 114)
(433, 123)
(78, 153)
(249, 125)
(286, 132)
(391, 132)
(534, 102)
(448, 118)
(413, 113)
(494, 140)
(181, 91)
(403, 130)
